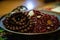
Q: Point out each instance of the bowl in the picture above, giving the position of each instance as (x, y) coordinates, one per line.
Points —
(46, 12)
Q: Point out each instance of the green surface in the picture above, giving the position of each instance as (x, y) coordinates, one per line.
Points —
(1, 30)
(2, 38)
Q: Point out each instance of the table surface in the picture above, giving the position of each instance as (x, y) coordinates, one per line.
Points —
(8, 6)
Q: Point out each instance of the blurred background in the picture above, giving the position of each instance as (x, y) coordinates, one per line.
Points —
(8, 5)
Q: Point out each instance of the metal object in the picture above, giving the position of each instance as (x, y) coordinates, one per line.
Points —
(51, 13)
(20, 9)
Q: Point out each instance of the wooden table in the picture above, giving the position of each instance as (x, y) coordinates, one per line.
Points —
(8, 6)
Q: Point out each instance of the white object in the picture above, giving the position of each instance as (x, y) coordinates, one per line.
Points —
(48, 27)
(31, 13)
(57, 9)
(38, 16)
